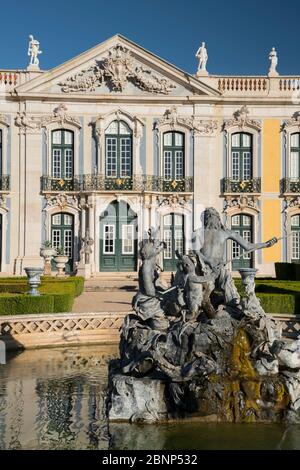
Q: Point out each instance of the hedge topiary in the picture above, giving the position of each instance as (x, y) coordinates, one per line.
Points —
(285, 271)
(17, 304)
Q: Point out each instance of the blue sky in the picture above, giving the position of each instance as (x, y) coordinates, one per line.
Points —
(238, 34)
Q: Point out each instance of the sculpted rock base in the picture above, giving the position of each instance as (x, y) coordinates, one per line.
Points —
(137, 400)
(198, 350)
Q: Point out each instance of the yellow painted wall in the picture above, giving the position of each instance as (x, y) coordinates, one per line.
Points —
(271, 228)
(271, 170)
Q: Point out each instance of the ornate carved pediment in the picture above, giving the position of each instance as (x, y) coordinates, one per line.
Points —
(3, 120)
(198, 125)
(134, 122)
(61, 200)
(294, 122)
(117, 70)
(173, 201)
(59, 115)
(292, 202)
(241, 120)
(241, 202)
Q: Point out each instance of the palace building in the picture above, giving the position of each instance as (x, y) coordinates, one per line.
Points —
(115, 141)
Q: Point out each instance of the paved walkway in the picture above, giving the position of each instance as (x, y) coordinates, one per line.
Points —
(114, 301)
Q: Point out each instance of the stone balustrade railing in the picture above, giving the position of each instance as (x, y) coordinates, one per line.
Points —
(236, 85)
(98, 182)
(31, 331)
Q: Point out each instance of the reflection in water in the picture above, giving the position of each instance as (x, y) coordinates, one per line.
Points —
(54, 399)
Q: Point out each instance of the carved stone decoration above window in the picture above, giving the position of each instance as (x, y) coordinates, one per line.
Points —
(241, 202)
(3, 120)
(61, 201)
(25, 122)
(294, 122)
(173, 201)
(241, 120)
(102, 121)
(292, 202)
(117, 70)
(59, 115)
(199, 126)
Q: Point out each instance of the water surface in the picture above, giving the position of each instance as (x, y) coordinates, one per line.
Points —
(54, 399)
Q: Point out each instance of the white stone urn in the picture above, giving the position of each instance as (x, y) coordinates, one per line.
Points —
(47, 252)
(60, 261)
(34, 280)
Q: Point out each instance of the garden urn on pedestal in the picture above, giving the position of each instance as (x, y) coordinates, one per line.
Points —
(60, 260)
(34, 279)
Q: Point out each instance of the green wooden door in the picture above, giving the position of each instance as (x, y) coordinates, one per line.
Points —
(243, 225)
(62, 235)
(118, 238)
(295, 226)
(173, 235)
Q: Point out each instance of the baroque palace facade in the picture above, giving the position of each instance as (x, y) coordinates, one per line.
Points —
(113, 142)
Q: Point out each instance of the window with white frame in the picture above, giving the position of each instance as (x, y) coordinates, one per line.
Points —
(173, 155)
(295, 156)
(62, 154)
(241, 156)
(241, 224)
(118, 150)
(127, 239)
(295, 226)
(109, 239)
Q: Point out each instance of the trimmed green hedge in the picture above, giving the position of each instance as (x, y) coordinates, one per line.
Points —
(57, 295)
(17, 304)
(277, 296)
(279, 303)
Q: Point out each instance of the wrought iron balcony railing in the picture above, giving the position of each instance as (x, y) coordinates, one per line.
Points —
(96, 182)
(48, 183)
(290, 185)
(230, 185)
(4, 183)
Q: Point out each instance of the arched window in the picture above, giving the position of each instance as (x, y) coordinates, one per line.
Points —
(173, 156)
(118, 150)
(62, 154)
(295, 156)
(243, 225)
(295, 226)
(241, 156)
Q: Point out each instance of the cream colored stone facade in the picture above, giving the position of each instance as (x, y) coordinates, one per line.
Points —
(119, 81)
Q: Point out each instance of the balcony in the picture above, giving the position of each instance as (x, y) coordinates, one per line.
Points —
(233, 186)
(290, 186)
(99, 183)
(4, 183)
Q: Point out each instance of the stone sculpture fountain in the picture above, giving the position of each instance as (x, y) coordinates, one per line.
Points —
(198, 350)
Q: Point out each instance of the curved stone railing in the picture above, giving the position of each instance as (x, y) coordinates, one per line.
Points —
(31, 331)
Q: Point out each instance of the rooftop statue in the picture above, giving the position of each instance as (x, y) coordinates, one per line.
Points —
(195, 348)
(34, 51)
(273, 63)
(202, 55)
